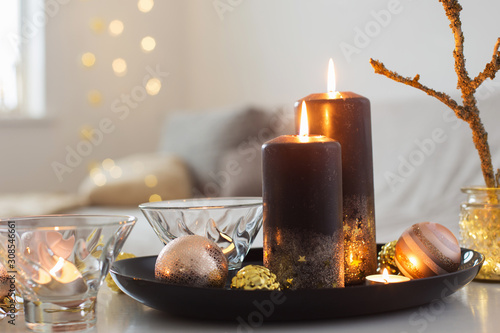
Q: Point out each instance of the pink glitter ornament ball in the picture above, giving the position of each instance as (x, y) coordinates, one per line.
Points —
(427, 249)
(192, 261)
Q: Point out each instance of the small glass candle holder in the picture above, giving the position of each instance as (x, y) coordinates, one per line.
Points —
(59, 262)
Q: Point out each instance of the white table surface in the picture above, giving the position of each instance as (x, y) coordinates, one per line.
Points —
(475, 308)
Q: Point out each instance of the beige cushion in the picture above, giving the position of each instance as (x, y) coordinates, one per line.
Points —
(202, 139)
(141, 176)
(208, 140)
(36, 203)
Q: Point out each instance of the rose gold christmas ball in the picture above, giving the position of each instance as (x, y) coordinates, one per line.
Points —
(4, 282)
(192, 261)
(427, 249)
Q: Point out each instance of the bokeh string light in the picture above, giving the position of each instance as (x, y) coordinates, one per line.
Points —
(108, 163)
(94, 97)
(151, 180)
(145, 5)
(88, 59)
(154, 198)
(97, 25)
(116, 172)
(148, 44)
(153, 86)
(115, 28)
(100, 173)
(119, 66)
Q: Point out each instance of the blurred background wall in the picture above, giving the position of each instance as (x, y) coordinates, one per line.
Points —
(226, 52)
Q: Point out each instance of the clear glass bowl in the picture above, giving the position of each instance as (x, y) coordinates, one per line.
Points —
(59, 263)
(232, 223)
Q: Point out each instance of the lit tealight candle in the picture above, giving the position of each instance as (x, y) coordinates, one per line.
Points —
(385, 278)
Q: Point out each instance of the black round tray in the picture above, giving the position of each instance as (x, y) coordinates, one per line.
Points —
(136, 278)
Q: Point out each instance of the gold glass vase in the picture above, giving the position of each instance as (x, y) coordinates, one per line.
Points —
(480, 228)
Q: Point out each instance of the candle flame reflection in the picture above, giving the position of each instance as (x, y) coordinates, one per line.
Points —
(331, 77)
(58, 266)
(304, 124)
(414, 261)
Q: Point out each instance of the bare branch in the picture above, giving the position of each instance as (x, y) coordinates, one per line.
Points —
(497, 178)
(380, 68)
(480, 140)
(469, 110)
(453, 9)
(491, 68)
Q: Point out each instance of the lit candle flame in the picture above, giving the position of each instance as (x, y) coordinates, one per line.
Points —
(385, 275)
(304, 124)
(331, 77)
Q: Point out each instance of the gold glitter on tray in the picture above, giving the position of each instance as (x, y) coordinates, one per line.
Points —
(10, 306)
(254, 277)
(109, 280)
(386, 258)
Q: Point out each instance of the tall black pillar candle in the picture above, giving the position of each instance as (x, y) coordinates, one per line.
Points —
(345, 117)
(302, 195)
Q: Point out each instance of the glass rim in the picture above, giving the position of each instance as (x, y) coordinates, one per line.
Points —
(471, 189)
(119, 220)
(204, 203)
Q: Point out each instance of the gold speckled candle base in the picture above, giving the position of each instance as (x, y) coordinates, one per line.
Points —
(359, 241)
(304, 259)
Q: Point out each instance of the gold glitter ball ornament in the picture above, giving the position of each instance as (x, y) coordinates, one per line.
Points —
(192, 261)
(254, 277)
(109, 280)
(386, 258)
